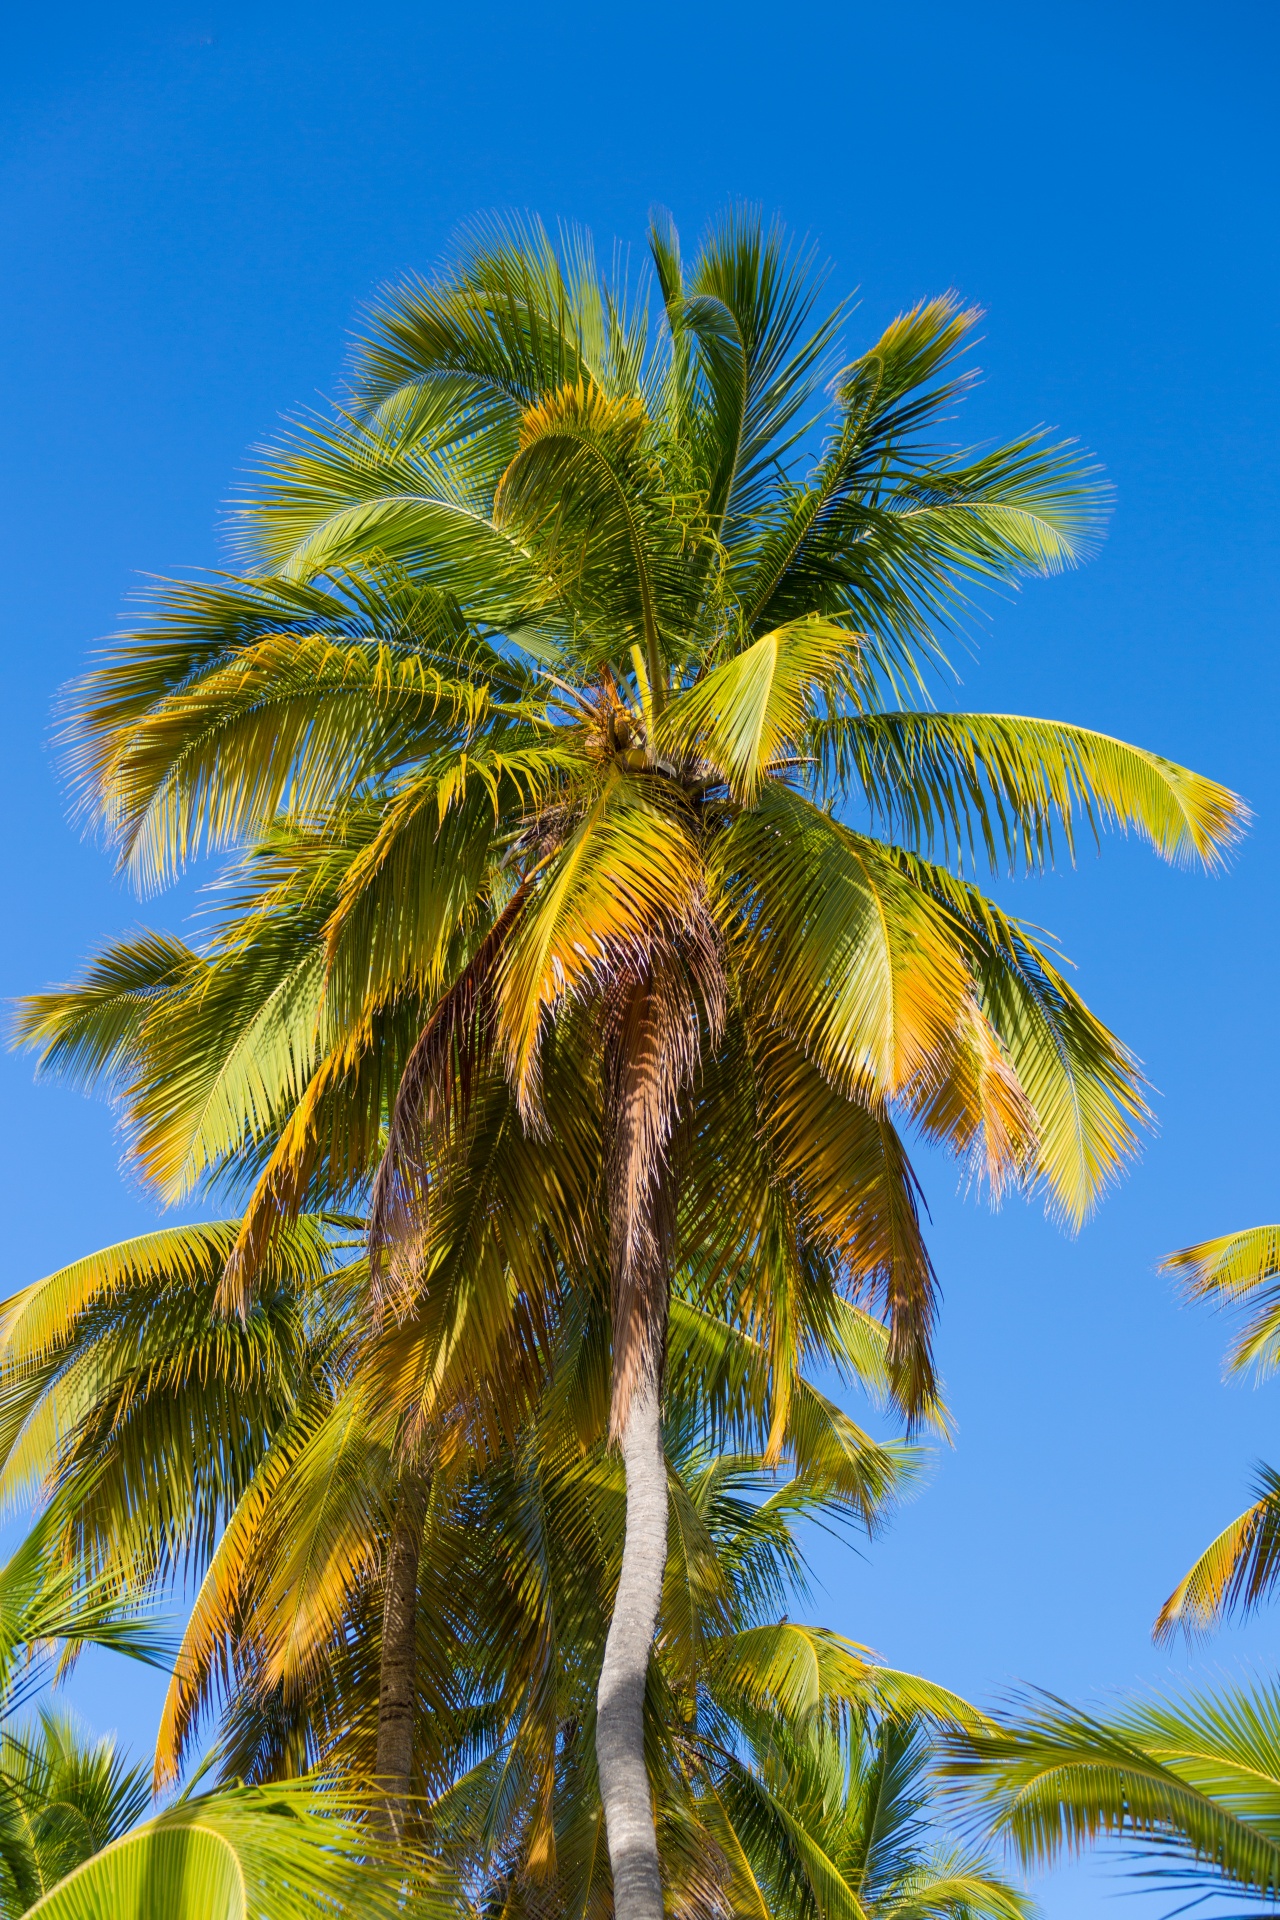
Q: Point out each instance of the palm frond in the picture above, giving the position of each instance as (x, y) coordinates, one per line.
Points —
(1001, 783)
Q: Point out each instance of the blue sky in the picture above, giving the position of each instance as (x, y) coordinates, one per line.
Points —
(194, 204)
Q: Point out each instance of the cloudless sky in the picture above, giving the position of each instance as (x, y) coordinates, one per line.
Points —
(194, 203)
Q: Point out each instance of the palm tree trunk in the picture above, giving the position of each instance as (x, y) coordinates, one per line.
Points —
(624, 1778)
(398, 1676)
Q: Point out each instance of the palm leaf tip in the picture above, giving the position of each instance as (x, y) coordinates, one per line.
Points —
(1234, 1574)
(1232, 1265)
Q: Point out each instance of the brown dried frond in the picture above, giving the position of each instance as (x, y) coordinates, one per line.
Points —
(653, 1018)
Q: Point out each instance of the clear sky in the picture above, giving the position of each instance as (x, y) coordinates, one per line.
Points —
(194, 202)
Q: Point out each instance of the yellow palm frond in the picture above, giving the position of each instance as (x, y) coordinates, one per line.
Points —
(856, 963)
(627, 877)
(1238, 1269)
(751, 710)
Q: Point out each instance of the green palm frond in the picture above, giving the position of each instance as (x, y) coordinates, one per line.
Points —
(1238, 1569)
(89, 1030)
(748, 713)
(1001, 783)
(62, 1798)
(1195, 1780)
(218, 1856)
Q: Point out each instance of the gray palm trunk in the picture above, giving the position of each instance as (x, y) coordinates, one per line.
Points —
(624, 1778)
(398, 1673)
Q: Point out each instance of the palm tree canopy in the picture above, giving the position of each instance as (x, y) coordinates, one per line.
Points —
(557, 646)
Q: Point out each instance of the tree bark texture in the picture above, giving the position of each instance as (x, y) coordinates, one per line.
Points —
(398, 1675)
(624, 1778)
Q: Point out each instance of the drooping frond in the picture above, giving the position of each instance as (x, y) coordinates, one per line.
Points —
(1235, 1573)
(1194, 1779)
(1002, 783)
(854, 961)
(1081, 1084)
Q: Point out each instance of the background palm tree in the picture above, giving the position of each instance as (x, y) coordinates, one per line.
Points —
(1191, 1784)
(63, 1797)
(70, 1848)
(253, 1459)
(845, 1821)
(556, 650)
(1241, 1566)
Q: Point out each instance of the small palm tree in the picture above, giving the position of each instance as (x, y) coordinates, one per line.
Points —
(1191, 1783)
(832, 1822)
(69, 1845)
(1241, 1567)
(62, 1798)
(559, 650)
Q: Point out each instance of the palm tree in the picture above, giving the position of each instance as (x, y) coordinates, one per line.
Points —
(558, 648)
(187, 1447)
(1192, 1783)
(1240, 1567)
(837, 1821)
(69, 1845)
(64, 1798)
(120, 1369)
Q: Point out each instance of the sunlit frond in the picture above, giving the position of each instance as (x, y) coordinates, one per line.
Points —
(1081, 1084)
(1235, 1573)
(854, 961)
(1239, 1269)
(627, 877)
(1193, 1779)
(217, 1856)
(1002, 783)
(747, 713)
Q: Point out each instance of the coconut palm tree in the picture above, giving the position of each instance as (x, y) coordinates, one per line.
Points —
(560, 646)
(202, 1048)
(844, 1821)
(64, 1797)
(1191, 1783)
(189, 1447)
(131, 1391)
(70, 1848)
(1241, 1566)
